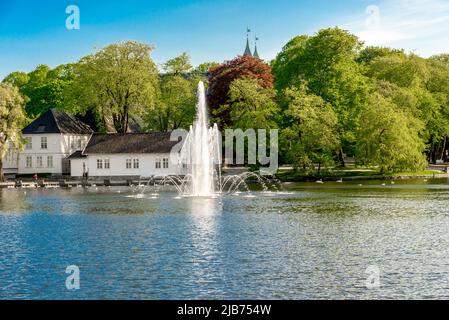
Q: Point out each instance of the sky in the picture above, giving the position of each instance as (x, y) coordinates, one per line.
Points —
(34, 32)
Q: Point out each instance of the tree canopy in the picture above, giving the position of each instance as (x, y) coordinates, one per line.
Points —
(117, 81)
(331, 97)
(12, 119)
(222, 76)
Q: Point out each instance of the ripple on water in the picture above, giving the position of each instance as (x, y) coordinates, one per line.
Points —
(310, 243)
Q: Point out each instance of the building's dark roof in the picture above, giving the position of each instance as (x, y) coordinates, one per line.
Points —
(76, 155)
(54, 121)
(112, 143)
(247, 49)
(256, 53)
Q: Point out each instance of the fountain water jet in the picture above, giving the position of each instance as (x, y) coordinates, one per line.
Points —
(202, 151)
(201, 156)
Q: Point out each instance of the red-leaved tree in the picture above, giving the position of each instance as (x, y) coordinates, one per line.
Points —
(221, 77)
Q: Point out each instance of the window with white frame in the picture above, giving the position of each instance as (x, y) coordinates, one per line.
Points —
(80, 143)
(44, 144)
(29, 143)
(29, 162)
(136, 163)
(72, 142)
(39, 162)
(165, 163)
(158, 163)
(107, 164)
(99, 163)
(49, 161)
(128, 163)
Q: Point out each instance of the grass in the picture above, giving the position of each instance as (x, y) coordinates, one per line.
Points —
(350, 172)
(416, 173)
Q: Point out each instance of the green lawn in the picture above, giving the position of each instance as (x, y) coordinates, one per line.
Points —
(350, 172)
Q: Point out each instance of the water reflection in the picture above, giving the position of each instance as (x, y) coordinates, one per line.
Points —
(306, 243)
(204, 215)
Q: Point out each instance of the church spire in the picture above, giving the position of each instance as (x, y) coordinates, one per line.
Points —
(256, 53)
(247, 50)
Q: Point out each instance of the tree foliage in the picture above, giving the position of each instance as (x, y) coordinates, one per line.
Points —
(330, 96)
(118, 81)
(389, 137)
(327, 62)
(12, 119)
(223, 75)
(310, 136)
(178, 65)
(251, 105)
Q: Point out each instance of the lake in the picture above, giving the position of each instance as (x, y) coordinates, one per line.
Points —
(309, 241)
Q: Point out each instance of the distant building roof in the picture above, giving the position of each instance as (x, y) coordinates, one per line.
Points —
(54, 121)
(77, 155)
(247, 49)
(113, 143)
(256, 53)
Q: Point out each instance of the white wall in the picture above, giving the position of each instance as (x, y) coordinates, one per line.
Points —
(147, 166)
(59, 146)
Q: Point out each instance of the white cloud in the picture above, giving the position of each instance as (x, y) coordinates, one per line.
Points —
(419, 25)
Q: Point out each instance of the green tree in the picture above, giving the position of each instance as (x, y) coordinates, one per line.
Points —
(310, 138)
(288, 63)
(43, 88)
(389, 138)
(327, 62)
(251, 105)
(205, 67)
(443, 58)
(11, 120)
(223, 75)
(176, 105)
(368, 54)
(17, 78)
(420, 87)
(117, 81)
(178, 65)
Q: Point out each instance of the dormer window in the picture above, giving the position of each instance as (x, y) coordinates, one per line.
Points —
(41, 128)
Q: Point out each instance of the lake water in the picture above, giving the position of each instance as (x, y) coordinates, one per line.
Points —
(309, 242)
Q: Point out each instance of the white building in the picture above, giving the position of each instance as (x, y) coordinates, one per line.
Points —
(127, 155)
(60, 144)
(51, 138)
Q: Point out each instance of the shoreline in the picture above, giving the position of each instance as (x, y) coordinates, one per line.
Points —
(341, 178)
(60, 183)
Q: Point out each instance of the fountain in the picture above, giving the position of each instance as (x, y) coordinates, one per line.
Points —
(201, 155)
(202, 152)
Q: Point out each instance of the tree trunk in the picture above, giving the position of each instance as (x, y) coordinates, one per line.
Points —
(340, 158)
(442, 150)
(2, 177)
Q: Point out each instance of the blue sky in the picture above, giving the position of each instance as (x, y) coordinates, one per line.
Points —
(34, 32)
